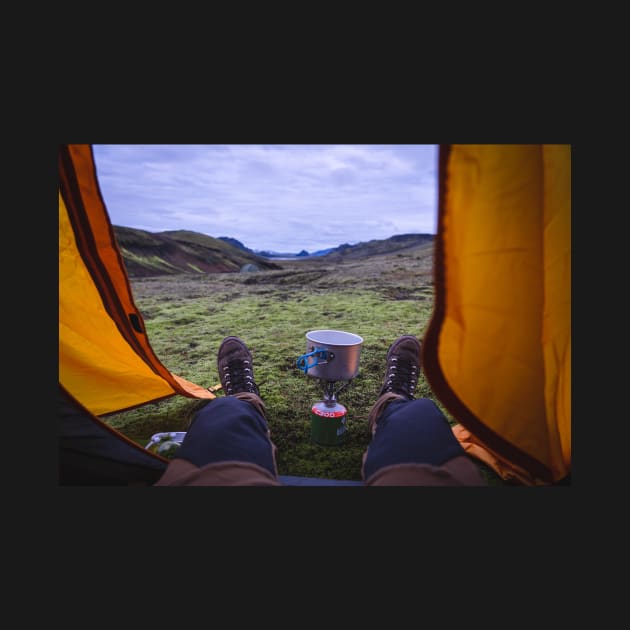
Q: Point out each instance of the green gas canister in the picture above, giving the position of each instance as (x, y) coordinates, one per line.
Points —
(328, 423)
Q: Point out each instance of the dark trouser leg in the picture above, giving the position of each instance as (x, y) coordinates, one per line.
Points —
(410, 431)
(230, 429)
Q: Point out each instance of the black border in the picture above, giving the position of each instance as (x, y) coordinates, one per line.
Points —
(404, 524)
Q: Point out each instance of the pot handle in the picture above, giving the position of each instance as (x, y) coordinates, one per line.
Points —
(317, 353)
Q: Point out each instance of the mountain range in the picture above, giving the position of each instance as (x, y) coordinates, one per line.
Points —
(183, 251)
(271, 254)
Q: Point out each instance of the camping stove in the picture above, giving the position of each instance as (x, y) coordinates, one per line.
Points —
(332, 356)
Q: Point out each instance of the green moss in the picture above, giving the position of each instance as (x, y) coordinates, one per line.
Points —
(150, 261)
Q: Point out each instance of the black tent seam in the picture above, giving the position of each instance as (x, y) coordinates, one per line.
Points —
(70, 191)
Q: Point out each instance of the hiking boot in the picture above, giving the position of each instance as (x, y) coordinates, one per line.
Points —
(403, 367)
(236, 372)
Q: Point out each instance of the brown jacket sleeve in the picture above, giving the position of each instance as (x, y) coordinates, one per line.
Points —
(180, 472)
(459, 471)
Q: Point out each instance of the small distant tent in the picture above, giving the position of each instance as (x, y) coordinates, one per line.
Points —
(497, 352)
(250, 267)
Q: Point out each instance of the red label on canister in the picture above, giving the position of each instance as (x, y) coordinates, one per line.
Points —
(335, 413)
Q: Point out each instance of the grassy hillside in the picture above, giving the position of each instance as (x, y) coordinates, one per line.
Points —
(188, 315)
(379, 247)
(174, 252)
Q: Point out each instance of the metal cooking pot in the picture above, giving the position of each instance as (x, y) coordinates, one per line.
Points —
(332, 355)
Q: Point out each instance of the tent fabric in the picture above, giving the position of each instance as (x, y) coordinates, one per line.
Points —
(105, 359)
(497, 351)
(93, 453)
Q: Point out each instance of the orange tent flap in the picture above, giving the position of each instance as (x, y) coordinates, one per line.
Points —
(105, 359)
(498, 348)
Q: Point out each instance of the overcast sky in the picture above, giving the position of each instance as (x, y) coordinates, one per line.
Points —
(282, 198)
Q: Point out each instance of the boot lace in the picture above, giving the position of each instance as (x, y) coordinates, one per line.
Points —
(401, 378)
(238, 377)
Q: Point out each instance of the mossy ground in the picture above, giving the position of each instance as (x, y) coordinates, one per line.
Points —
(187, 317)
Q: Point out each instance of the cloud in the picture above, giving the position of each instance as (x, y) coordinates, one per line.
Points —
(273, 197)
